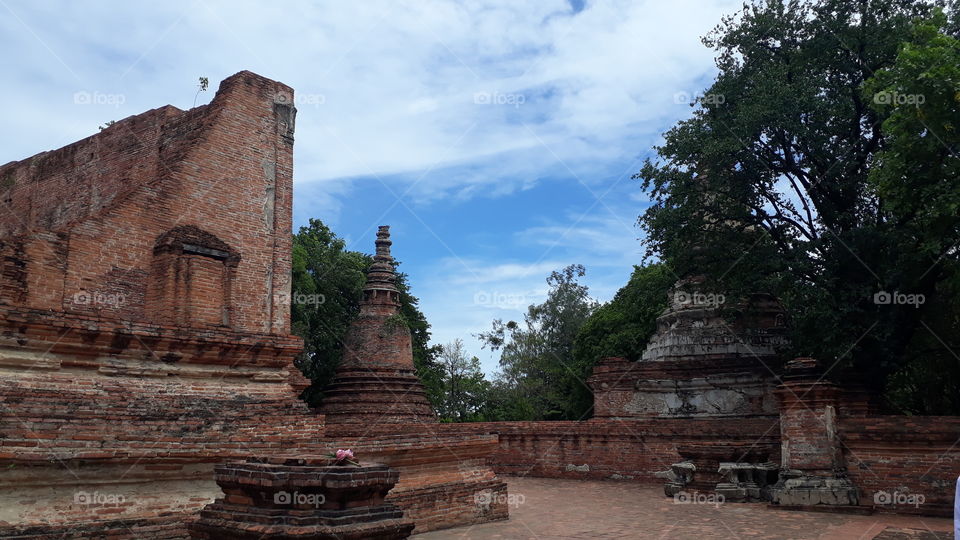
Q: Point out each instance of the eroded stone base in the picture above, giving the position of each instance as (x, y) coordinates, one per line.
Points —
(799, 490)
(747, 482)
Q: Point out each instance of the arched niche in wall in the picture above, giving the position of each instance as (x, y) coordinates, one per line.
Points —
(192, 277)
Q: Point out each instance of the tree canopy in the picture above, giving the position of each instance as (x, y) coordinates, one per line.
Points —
(623, 326)
(812, 168)
(465, 388)
(540, 378)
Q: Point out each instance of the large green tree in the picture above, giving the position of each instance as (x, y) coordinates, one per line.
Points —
(327, 287)
(768, 185)
(916, 175)
(540, 378)
(624, 325)
(465, 388)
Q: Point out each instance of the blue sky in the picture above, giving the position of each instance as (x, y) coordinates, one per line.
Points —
(496, 138)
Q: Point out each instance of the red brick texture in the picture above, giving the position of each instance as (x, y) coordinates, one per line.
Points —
(144, 329)
(809, 424)
(893, 458)
(607, 449)
(90, 219)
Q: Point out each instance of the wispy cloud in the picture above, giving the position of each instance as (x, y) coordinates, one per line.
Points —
(384, 88)
(505, 128)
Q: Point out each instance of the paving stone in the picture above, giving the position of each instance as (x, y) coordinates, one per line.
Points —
(545, 509)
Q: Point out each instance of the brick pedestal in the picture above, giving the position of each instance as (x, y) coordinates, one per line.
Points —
(813, 469)
(288, 498)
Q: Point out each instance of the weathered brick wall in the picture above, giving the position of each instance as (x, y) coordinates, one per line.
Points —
(444, 480)
(912, 455)
(186, 217)
(53, 189)
(892, 458)
(606, 449)
(809, 427)
(88, 216)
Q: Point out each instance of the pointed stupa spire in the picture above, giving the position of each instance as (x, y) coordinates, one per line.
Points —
(376, 381)
(381, 287)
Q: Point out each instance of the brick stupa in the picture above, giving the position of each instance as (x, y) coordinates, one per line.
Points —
(375, 383)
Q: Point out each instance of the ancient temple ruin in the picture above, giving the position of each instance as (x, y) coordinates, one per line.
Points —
(145, 340)
(145, 330)
(710, 356)
(375, 382)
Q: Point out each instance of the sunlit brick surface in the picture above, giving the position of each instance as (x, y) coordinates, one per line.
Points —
(144, 330)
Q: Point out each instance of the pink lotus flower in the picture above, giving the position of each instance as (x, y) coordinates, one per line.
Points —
(343, 457)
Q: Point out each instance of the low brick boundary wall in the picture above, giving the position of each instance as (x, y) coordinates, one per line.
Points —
(606, 449)
(898, 456)
(904, 464)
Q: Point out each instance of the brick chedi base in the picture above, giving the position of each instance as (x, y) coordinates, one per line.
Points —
(699, 362)
(375, 383)
(286, 498)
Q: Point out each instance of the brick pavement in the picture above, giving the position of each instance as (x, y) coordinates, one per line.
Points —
(544, 509)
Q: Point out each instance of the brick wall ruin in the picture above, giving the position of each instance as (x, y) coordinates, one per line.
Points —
(888, 458)
(145, 329)
(144, 338)
(169, 217)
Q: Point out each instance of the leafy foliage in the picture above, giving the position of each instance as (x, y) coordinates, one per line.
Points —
(772, 185)
(540, 379)
(915, 175)
(466, 390)
(623, 326)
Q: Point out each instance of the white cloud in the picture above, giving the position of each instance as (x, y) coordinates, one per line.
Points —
(393, 84)
(442, 100)
(462, 297)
